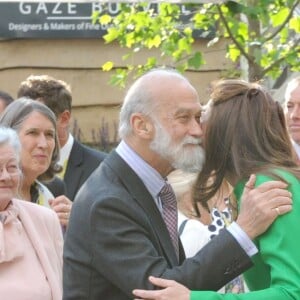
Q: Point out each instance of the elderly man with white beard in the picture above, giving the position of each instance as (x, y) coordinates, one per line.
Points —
(121, 228)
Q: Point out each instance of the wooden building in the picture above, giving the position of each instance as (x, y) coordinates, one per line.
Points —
(77, 59)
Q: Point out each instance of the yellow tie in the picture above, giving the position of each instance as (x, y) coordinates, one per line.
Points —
(61, 175)
(41, 199)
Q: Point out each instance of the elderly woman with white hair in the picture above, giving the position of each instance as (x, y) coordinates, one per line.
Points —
(193, 233)
(196, 224)
(30, 235)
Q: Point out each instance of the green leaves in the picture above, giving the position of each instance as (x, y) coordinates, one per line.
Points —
(280, 16)
(112, 34)
(196, 61)
(264, 32)
(294, 24)
(233, 53)
(107, 66)
(105, 19)
(154, 42)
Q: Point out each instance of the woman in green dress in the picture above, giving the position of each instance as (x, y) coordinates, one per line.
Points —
(245, 133)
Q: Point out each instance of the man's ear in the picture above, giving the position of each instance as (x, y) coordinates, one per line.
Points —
(64, 118)
(142, 126)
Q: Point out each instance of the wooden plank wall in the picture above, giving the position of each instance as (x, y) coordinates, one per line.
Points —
(78, 62)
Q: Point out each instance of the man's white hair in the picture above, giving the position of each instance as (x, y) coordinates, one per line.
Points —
(292, 85)
(140, 97)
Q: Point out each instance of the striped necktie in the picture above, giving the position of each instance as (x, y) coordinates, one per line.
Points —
(169, 206)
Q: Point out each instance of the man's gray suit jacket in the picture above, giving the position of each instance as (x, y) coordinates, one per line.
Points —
(116, 238)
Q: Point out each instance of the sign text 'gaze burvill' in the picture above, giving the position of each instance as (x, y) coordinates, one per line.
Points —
(57, 19)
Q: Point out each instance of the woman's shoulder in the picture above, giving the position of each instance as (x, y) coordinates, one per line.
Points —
(38, 211)
(42, 218)
(276, 174)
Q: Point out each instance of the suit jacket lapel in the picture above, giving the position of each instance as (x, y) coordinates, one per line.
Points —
(141, 195)
(73, 172)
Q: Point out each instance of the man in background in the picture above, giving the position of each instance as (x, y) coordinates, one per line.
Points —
(5, 100)
(78, 161)
(292, 112)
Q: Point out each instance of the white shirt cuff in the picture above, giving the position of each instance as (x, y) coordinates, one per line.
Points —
(242, 238)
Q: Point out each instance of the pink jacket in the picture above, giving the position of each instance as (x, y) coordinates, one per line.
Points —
(44, 232)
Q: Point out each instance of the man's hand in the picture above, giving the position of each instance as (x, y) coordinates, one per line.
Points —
(62, 206)
(171, 290)
(262, 205)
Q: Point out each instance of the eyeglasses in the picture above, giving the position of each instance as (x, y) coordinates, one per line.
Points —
(12, 170)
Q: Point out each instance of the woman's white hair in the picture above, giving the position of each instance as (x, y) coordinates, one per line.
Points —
(181, 182)
(9, 136)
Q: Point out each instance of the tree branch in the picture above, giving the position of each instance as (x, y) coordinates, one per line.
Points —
(278, 61)
(284, 23)
(237, 44)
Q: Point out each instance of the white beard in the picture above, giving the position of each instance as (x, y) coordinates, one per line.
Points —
(188, 155)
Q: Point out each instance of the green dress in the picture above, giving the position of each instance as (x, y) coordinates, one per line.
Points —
(276, 271)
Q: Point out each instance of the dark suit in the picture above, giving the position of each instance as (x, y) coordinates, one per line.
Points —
(116, 238)
(81, 164)
(56, 186)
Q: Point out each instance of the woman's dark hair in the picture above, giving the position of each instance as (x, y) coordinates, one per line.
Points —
(245, 134)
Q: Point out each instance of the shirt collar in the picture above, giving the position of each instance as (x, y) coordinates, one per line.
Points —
(297, 148)
(150, 177)
(65, 151)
